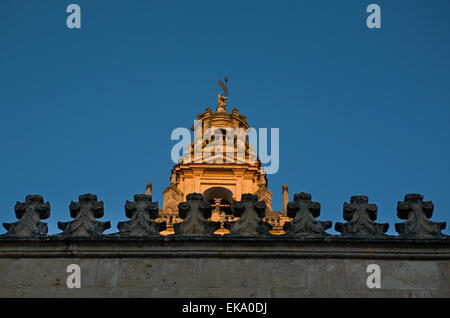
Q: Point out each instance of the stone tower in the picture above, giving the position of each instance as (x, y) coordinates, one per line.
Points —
(221, 176)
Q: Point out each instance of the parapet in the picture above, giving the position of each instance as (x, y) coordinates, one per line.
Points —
(359, 214)
(248, 262)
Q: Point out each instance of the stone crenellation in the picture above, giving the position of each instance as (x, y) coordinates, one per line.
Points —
(141, 212)
(85, 212)
(249, 212)
(30, 213)
(195, 214)
(304, 212)
(360, 216)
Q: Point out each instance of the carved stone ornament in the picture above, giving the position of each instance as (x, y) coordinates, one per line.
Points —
(304, 212)
(195, 212)
(250, 212)
(141, 212)
(418, 214)
(361, 215)
(29, 213)
(85, 212)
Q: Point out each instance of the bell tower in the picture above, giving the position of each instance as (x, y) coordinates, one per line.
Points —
(220, 163)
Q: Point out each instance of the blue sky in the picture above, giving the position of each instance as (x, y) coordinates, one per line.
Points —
(360, 111)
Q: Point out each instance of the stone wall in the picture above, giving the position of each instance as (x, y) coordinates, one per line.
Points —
(248, 262)
(224, 267)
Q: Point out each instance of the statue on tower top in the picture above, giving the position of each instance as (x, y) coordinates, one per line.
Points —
(221, 104)
(222, 99)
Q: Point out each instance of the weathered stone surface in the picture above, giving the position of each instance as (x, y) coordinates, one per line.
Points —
(356, 274)
(334, 270)
(198, 292)
(35, 292)
(258, 277)
(361, 215)
(417, 213)
(241, 269)
(107, 273)
(409, 275)
(24, 272)
(285, 273)
(143, 273)
(208, 276)
(91, 292)
(164, 292)
(444, 277)
(30, 213)
(141, 212)
(85, 212)
(250, 212)
(304, 212)
(195, 212)
(169, 273)
(244, 293)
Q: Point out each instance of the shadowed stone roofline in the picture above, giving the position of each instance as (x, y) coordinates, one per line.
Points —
(224, 247)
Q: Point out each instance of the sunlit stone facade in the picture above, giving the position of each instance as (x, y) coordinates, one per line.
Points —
(221, 176)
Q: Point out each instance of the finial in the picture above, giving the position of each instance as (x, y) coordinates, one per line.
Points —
(173, 178)
(149, 189)
(285, 192)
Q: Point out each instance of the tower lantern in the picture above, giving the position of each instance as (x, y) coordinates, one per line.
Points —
(221, 176)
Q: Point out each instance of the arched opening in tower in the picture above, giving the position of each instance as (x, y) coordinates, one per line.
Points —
(220, 198)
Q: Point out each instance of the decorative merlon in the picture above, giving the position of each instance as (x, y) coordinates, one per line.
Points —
(29, 213)
(361, 215)
(304, 212)
(417, 213)
(141, 212)
(250, 212)
(85, 212)
(195, 212)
